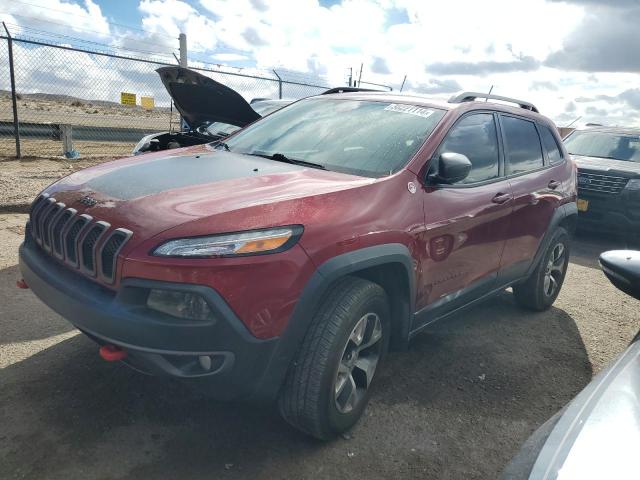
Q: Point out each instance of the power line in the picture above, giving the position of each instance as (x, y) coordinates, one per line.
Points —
(83, 15)
(82, 41)
(95, 32)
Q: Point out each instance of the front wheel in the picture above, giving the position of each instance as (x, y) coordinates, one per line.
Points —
(328, 385)
(541, 289)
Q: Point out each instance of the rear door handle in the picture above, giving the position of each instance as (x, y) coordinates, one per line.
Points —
(501, 198)
(553, 184)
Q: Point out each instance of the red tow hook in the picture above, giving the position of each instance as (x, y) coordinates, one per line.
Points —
(22, 284)
(111, 353)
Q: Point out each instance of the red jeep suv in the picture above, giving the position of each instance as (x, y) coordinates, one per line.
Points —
(283, 262)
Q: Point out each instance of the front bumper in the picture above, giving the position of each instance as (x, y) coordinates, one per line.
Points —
(617, 212)
(155, 343)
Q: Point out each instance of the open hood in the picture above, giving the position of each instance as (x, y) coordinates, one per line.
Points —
(200, 99)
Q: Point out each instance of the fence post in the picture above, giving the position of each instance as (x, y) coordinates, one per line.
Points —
(182, 38)
(16, 124)
(279, 84)
(183, 50)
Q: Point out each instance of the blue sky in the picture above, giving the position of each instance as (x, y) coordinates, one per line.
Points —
(571, 57)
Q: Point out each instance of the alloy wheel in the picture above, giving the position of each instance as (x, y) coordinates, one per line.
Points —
(554, 271)
(358, 363)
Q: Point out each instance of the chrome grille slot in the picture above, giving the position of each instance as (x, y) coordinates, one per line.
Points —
(57, 229)
(70, 241)
(88, 246)
(47, 222)
(41, 215)
(110, 250)
(39, 203)
(595, 182)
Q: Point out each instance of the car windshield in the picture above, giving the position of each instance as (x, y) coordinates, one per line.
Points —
(263, 108)
(614, 146)
(367, 138)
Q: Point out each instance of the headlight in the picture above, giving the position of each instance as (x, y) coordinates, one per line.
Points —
(633, 184)
(254, 242)
(180, 304)
(143, 145)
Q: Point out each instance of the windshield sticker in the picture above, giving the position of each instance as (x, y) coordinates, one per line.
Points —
(410, 109)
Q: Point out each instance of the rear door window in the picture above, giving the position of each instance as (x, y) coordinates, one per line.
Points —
(550, 145)
(523, 149)
(475, 136)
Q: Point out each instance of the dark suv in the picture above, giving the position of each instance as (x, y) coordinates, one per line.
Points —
(608, 162)
(285, 262)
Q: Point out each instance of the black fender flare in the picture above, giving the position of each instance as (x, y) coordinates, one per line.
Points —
(562, 213)
(314, 290)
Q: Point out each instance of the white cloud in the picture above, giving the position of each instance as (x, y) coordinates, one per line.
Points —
(229, 57)
(58, 16)
(443, 47)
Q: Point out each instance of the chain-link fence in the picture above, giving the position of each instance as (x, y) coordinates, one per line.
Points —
(69, 99)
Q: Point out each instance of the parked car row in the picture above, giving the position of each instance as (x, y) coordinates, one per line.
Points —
(608, 161)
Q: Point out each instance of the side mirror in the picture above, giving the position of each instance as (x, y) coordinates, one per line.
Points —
(452, 168)
(622, 268)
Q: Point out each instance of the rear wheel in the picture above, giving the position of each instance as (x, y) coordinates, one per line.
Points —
(541, 289)
(328, 385)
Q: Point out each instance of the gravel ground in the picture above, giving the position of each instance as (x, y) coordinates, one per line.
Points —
(458, 404)
(21, 180)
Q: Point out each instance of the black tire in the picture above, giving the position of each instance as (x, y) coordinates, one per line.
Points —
(534, 293)
(308, 399)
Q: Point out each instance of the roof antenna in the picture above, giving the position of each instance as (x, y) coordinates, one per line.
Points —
(486, 99)
(573, 121)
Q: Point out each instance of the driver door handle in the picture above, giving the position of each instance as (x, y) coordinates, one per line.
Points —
(553, 184)
(501, 198)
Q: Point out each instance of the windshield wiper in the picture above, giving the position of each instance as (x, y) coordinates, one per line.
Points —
(221, 144)
(279, 157)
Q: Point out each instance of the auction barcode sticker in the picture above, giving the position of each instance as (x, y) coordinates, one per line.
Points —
(410, 109)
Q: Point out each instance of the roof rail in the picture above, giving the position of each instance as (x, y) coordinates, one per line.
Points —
(471, 96)
(347, 90)
(258, 99)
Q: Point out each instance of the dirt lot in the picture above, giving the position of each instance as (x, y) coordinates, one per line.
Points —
(457, 405)
(20, 181)
(40, 108)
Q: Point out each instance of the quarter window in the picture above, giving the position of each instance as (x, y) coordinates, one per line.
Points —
(475, 136)
(524, 152)
(550, 145)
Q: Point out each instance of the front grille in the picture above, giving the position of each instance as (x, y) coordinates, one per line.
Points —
(76, 239)
(595, 182)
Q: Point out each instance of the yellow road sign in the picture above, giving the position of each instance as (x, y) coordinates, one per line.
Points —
(127, 98)
(147, 102)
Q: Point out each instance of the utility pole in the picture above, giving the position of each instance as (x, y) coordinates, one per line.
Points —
(16, 123)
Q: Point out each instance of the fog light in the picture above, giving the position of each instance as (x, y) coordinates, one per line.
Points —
(205, 362)
(180, 304)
